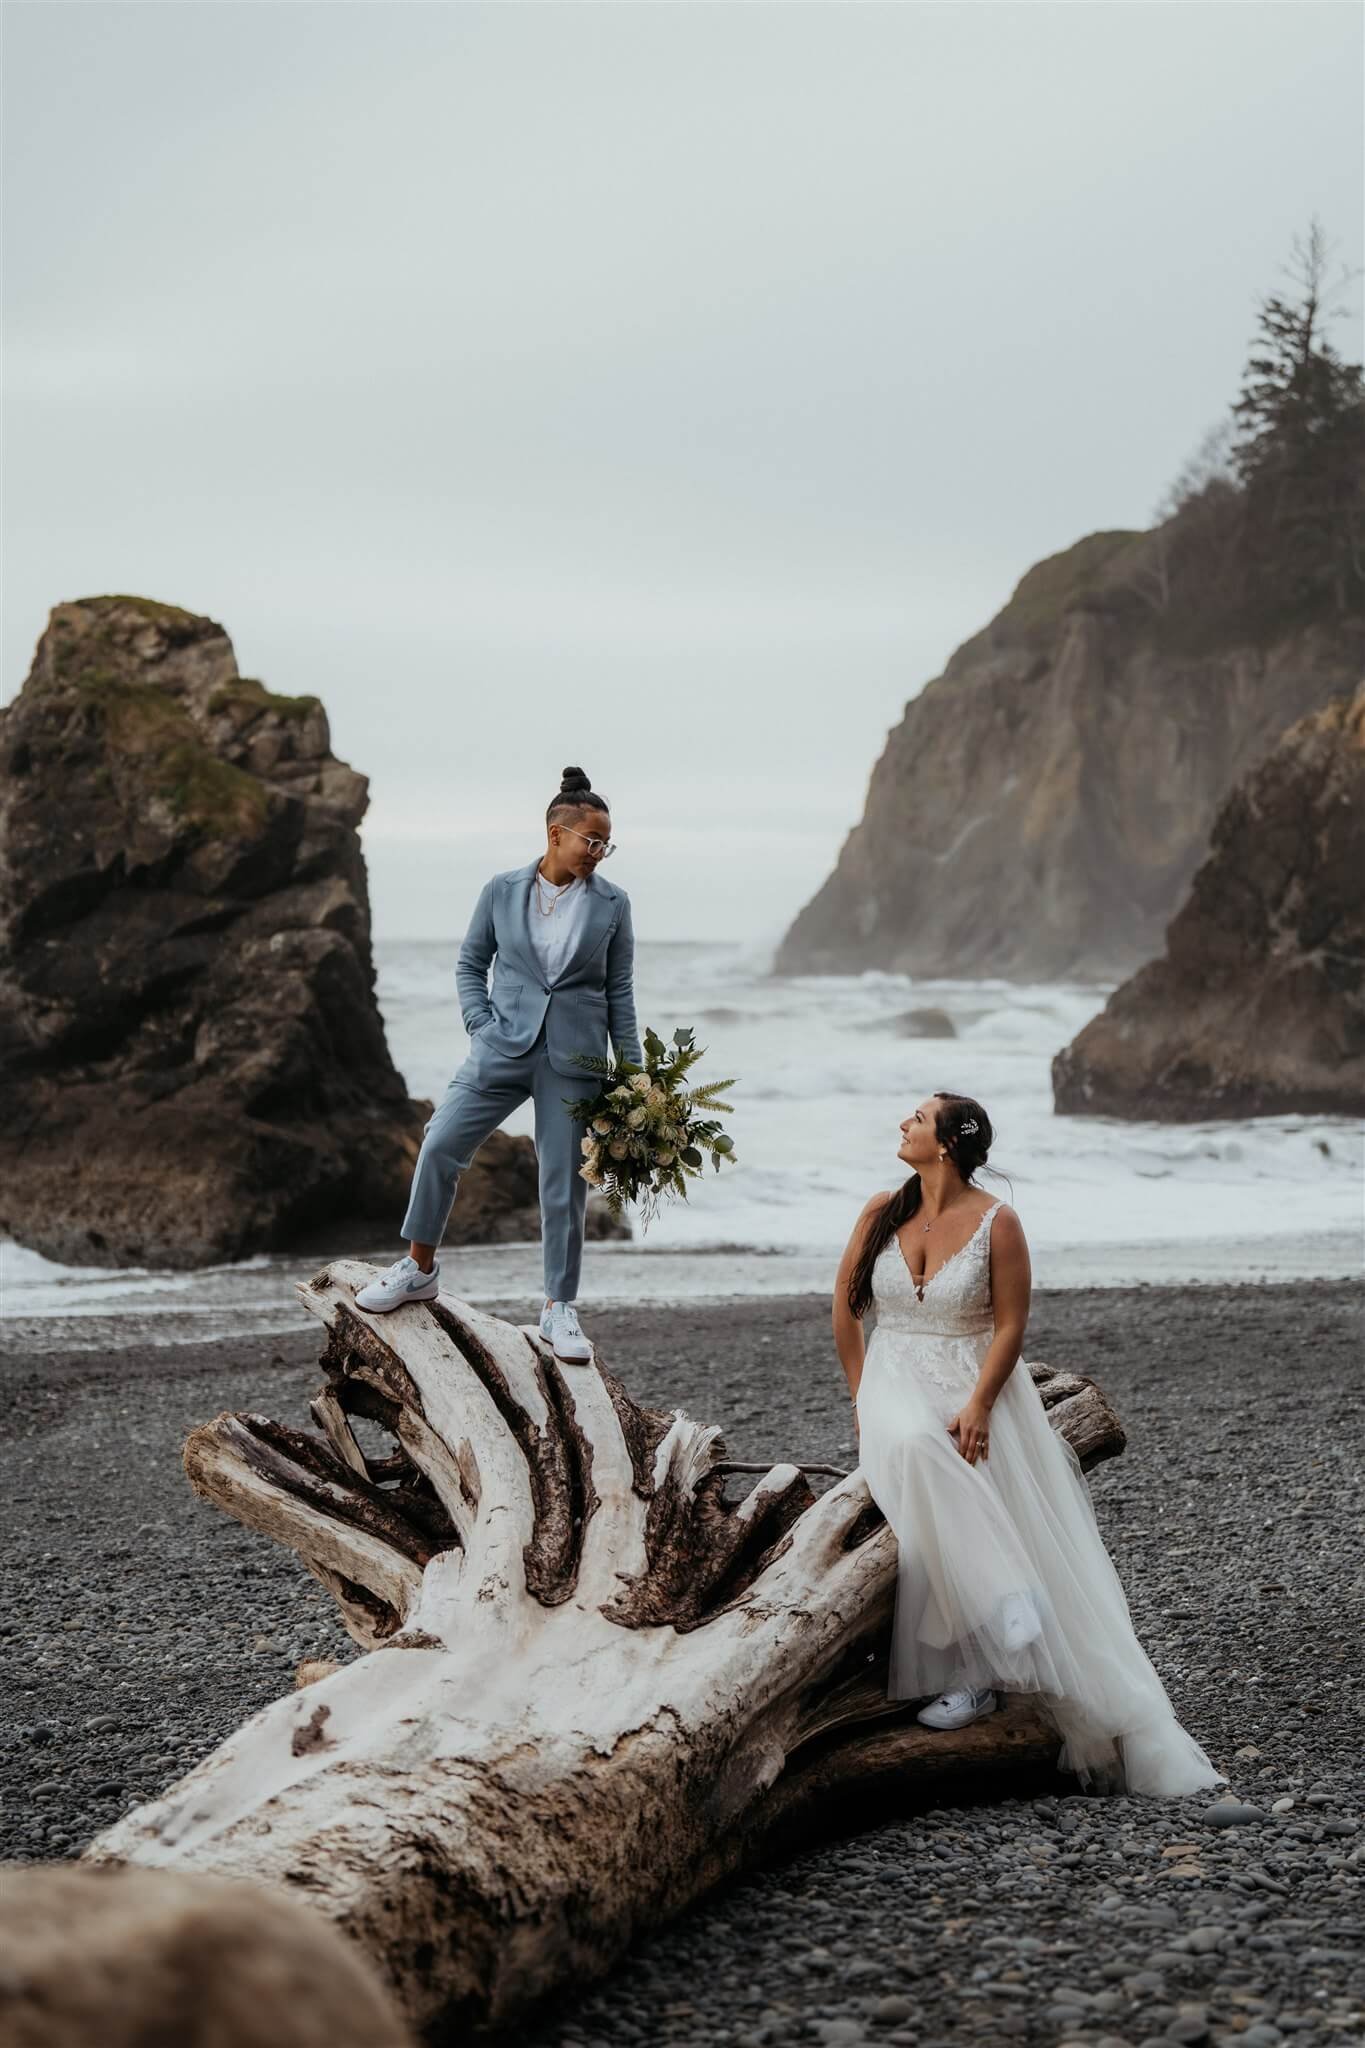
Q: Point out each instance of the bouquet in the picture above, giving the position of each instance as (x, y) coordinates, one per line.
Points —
(647, 1130)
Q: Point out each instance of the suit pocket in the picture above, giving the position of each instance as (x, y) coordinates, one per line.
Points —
(506, 1001)
(590, 1019)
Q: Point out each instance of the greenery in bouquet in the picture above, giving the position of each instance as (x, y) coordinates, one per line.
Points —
(649, 1131)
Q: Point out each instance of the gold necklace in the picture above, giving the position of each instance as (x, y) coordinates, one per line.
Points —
(564, 888)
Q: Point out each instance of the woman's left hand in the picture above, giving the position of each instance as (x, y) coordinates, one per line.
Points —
(972, 1428)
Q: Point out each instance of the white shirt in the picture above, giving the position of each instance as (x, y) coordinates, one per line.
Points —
(553, 936)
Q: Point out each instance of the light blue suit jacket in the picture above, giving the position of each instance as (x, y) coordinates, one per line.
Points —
(593, 993)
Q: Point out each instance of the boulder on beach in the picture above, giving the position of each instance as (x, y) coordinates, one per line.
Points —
(927, 1022)
(193, 1067)
(1258, 1004)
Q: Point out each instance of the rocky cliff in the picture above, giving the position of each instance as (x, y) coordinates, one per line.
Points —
(1258, 1003)
(1043, 804)
(192, 1062)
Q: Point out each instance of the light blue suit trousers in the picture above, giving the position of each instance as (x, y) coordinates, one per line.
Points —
(523, 1033)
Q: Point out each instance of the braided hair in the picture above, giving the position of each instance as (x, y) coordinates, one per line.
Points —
(575, 794)
(964, 1130)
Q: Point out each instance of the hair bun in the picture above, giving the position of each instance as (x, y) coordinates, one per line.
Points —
(572, 780)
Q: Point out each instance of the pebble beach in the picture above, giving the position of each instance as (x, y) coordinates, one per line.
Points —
(142, 1626)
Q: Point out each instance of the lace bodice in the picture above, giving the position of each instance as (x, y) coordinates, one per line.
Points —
(957, 1297)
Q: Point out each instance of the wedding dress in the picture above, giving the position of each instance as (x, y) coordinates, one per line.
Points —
(1021, 1520)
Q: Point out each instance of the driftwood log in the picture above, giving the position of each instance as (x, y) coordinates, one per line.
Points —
(594, 1685)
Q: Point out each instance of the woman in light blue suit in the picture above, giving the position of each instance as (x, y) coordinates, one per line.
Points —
(561, 947)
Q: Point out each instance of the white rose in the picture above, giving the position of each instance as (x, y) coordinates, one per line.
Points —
(602, 1126)
(658, 1094)
(641, 1083)
(591, 1174)
(663, 1158)
(589, 1148)
(635, 1119)
(619, 1149)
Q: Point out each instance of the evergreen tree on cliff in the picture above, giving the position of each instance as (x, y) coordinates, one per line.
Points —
(1299, 452)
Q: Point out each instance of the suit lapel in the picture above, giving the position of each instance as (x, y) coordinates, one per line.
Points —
(519, 920)
(596, 919)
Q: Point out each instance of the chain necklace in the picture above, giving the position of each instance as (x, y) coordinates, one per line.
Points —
(561, 892)
(947, 1205)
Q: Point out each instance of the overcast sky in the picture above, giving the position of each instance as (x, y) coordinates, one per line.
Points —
(667, 389)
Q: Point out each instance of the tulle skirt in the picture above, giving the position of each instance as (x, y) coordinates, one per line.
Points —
(1019, 1521)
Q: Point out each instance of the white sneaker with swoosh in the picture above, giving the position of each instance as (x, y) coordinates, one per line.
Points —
(403, 1281)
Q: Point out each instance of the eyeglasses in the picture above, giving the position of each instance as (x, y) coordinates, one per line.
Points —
(600, 849)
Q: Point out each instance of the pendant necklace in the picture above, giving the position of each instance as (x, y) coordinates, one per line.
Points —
(563, 890)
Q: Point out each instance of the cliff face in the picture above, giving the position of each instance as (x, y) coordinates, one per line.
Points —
(192, 1063)
(1043, 804)
(1258, 1004)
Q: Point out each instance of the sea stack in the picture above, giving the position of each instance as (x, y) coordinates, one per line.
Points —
(1042, 806)
(1258, 1004)
(193, 1065)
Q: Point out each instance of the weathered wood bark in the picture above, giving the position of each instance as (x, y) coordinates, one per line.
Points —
(594, 1686)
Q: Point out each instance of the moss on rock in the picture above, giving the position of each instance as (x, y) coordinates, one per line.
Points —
(1051, 587)
(150, 607)
(145, 724)
(248, 691)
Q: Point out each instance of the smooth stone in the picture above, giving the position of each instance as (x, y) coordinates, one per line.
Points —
(891, 2009)
(1187, 2029)
(1261, 2035)
(1232, 1813)
(1203, 1940)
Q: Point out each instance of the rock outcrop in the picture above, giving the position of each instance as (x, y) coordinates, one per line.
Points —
(1258, 1004)
(1042, 806)
(192, 1063)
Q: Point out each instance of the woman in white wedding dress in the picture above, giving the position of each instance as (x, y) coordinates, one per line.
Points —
(1003, 1578)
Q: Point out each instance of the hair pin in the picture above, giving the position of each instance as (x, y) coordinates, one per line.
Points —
(970, 1128)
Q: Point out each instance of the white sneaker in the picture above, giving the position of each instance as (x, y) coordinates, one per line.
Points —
(559, 1328)
(403, 1281)
(1019, 1621)
(955, 1709)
